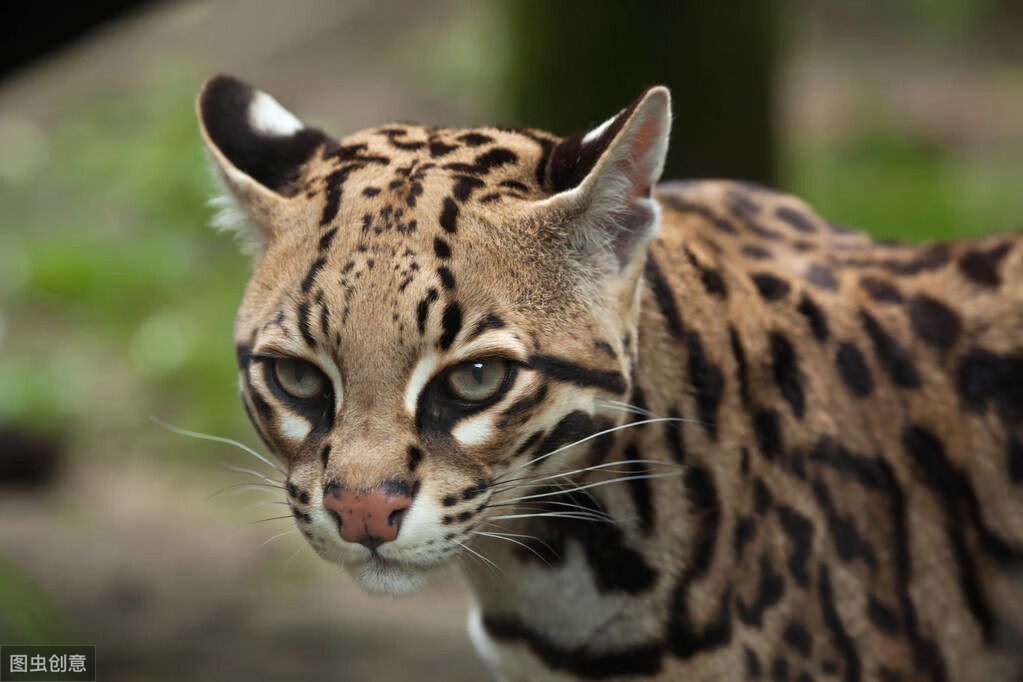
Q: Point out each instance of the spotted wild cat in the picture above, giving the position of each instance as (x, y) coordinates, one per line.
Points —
(689, 431)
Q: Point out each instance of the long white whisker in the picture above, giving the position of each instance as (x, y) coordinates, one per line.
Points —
(478, 555)
(597, 484)
(521, 535)
(631, 409)
(295, 553)
(243, 470)
(262, 503)
(239, 488)
(517, 542)
(274, 537)
(597, 435)
(546, 507)
(218, 439)
(271, 518)
(555, 515)
(618, 462)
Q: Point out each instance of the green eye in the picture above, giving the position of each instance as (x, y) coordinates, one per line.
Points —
(299, 378)
(477, 380)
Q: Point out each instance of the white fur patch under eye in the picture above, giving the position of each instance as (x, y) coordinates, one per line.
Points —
(417, 382)
(266, 115)
(475, 430)
(293, 427)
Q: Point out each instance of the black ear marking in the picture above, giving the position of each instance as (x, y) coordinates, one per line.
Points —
(574, 157)
(271, 157)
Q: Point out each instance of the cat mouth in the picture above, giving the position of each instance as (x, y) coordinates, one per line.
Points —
(380, 575)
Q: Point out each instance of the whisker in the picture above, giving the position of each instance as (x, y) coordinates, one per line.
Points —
(251, 472)
(617, 462)
(218, 439)
(271, 518)
(295, 553)
(629, 425)
(523, 535)
(545, 507)
(599, 483)
(238, 488)
(274, 537)
(554, 515)
(262, 503)
(624, 407)
(517, 542)
(478, 555)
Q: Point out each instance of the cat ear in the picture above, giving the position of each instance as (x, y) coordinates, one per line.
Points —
(258, 149)
(604, 179)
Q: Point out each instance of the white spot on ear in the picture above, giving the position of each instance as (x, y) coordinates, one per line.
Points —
(595, 134)
(266, 115)
(475, 430)
(294, 428)
(417, 382)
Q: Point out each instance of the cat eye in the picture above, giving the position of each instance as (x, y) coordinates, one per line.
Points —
(477, 380)
(299, 378)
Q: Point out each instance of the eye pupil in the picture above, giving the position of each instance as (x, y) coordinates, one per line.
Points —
(477, 380)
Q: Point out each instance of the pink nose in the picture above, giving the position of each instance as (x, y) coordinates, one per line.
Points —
(370, 518)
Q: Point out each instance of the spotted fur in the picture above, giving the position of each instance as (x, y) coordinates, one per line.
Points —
(833, 491)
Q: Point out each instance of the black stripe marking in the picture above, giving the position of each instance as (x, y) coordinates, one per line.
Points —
(451, 324)
(839, 637)
(815, 318)
(798, 220)
(708, 382)
(933, 321)
(799, 529)
(787, 374)
(853, 369)
(642, 495)
(310, 277)
(572, 373)
(447, 280)
(423, 310)
(895, 359)
(326, 239)
(740, 365)
(637, 660)
(771, 287)
(664, 296)
(449, 215)
(685, 639)
(770, 590)
(303, 324)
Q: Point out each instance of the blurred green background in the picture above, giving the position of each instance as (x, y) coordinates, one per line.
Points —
(116, 298)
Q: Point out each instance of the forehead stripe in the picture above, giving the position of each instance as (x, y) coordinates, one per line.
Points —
(451, 323)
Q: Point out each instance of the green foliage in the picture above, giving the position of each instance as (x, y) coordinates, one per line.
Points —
(27, 614)
(125, 297)
(898, 186)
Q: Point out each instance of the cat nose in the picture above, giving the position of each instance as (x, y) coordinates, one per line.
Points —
(371, 517)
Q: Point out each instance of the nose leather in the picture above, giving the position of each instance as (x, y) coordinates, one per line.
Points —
(370, 517)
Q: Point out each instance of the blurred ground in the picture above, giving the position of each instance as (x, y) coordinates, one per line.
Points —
(116, 302)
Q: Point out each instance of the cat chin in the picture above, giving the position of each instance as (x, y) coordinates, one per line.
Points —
(389, 578)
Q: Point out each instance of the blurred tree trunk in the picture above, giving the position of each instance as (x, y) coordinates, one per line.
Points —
(575, 63)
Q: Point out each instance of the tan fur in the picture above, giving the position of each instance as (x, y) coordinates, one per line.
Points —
(843, 461)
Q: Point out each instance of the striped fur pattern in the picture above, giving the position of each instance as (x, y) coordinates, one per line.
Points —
(733, 442)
